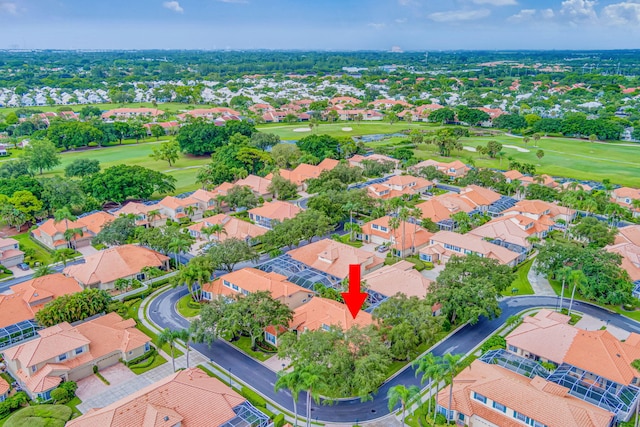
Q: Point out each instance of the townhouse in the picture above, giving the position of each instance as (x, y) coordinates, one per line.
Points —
(169, 128)
(232, 228)
(412, 236)
(69, 353)
(626, 197)
(176, 208)
(445, 244)
(187, 398)
(102, 269)
(399, 186)
(51, 233)
(259, 185)
(209, 114)
(358, 114)
(454, 169)
(515, 232)
(389, 103)
(270, 212)
(10, 253)
(544, 213)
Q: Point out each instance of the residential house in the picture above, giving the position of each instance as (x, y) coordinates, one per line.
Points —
(10, 253)
(440, 209)
(322, 314)
(281, 116)
(4, 389)
(546, 214)
(208, 200)
(168, 127)
(514, 232)
(627, 245)
(513, 175)
(103, 268)
(581, 360)
(51, 233)
(233, 228)
(209, 113)
(389, 103)
(357, 159)
(379, 232)
(275, 210)
(304, 172)
(259, 185)
(334, 258)
(480, 198)
(187, 398)
(445, 244)
(70, 353)
(129, 113)
(144, 215)
(261, 108)
(625, 196)
(398, 186)
(176, 208)
(454, 169)
(250, 280)
(21, 302)
(490, 395)
(344, 100)
(358, 114)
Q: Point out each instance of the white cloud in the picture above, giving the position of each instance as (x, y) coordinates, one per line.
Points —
(173, 5)
(8, 7)
(579, 10)
(523, 15)
(547, 13)
(400, 20)
(496, 2)
(626, 13)
(459, 15)
(377, 25)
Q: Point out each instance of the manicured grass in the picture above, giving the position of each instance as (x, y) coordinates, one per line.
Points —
(133, 314)
(169, 107)
(73, 404)
(244, 344)
(286, 131)
(40, 415)
(522, 282)
(157, 361)
(572, 158)
(345, 239)
(42, 255)
(184, 309)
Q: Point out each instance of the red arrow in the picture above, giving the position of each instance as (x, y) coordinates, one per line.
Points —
(354, 298)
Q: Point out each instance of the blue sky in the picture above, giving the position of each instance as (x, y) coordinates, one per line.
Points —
(320, 24)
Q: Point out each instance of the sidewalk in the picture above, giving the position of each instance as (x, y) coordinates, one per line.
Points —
(539, 283)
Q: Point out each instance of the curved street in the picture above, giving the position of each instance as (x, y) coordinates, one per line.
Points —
(162, 312)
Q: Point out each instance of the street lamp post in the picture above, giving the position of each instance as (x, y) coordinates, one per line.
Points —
(229, 369)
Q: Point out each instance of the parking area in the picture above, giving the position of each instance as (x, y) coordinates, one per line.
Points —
(93, 386)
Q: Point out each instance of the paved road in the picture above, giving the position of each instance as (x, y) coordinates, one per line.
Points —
(162, 312)
(6, 284)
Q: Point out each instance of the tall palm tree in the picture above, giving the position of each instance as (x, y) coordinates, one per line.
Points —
(62, 255)
(186, 336)
(152, 215)
(394, 224)
(350, 207)
(432, 369)
(310, 382)
(189, 211)
(352, 227)
(403, 215)
(564, 273)
(167, 336)
(70, 236)
(64, 214)
(292, 382)
(450, 362)
(43, 270)
(181, 244)
(615, 212)
(416, 215)
(578, 278)
(404, 395)
(218, 229)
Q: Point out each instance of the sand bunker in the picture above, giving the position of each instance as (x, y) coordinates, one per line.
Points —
(302, 130)
(472, 149)
(520, 149)
(347, 129)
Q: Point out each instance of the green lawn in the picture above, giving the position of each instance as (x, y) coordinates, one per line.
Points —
(73, 404)
(169, 107)
(244, 344)
(521, 283)
(42, 255)
(566, 157)
(184, 309)
(157, 361)
(286, 131)
(40, 415)
(345, 239)
(133, 313)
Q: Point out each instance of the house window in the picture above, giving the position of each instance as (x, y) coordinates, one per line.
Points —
(385, 229)
(461, 416)
(425, 257)
(479, 397)
(206, 295)
(78, 350)
(513, 349)
(147, 347)
(325, 327)
(140, 276)
(518, 416)
(62, 357)
(270, 338)
(179, 210)
(467, 252)
(245, 292)
(235, 287)
(34, 368)
(499, 406)
(226, 283)
(538, 424)
(375, 227)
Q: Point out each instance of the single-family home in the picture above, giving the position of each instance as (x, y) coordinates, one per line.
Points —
(250, 280)
(259, 185)
(484, 394)
(177, 208)
(440, 209)
(209, 113)
(445, 244)
(69, 353)
(357, 159)
(627, 245)
(233, 228)
(275, 210)
(4, 389)
(454, 169)
(187, 398)
(169, 128)
(128, 113)
(398, 278)
(10, 253)
(514, 232)
(625, 196)
(357, 114)
(51, 233)
(545, 213)
(144, 215)
(102, 269)
(304, 171)
(344, 100)
(334, 258)
(389, 103)
(21, 302)
(399, 186)
(322, 313)
(379, 231)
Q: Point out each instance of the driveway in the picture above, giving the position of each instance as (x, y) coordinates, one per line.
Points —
(93, 386)
(433, 273)
(20, 273)
(87, 250)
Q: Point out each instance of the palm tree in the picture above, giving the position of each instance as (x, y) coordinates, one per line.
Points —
(416, 215)
(181, 244)
(536, 138)
(352, 227)
(43, 270)
(186, 336)
(292, 382)
(564, 274)
(615, 212)
(310, 382)
(450, 362)
(500, 156)
(189, 211)
(64, 214)
(394, 224)
(350, 207)
(404, 395)
(62, 255)
(432, 369)
(167, 336)
(152, 215)
(403, 215)
(218, 229)
(579, 279)
(70, 234)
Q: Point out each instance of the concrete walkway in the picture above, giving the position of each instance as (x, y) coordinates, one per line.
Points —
(539, 283)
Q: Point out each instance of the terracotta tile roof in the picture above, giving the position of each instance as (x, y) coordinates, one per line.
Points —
(479, 196)
(258, 184)
(629, 234)
(188, 397)
(472, 243)
(321, 311)
(96, 221)
(418, 239)
(254, 280)
(276, 209)
(7, 241)
(132, 111)
(222, 189)
(4, 386)
(334, 257)
(203, 196)
(51, 227)
(404, 180)
(400, 277)
(630, 258)
(114, 263)
(233, 227)
(536, 398)
(135, 208)
(624, 192)
(175, 202)
(512, 175)
(508, 229)
(22, 303)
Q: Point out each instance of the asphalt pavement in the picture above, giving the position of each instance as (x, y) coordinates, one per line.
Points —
(6, 284)
(162, 312)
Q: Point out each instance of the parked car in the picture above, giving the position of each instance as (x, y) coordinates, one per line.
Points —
(23, 266)
(383, 248)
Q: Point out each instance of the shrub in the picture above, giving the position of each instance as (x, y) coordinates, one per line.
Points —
(279, 421)
(254, 398)
(441, 419)
(419, 265)
(428, 265)
(40, 415)
(60, 395)
(95, 369)
(71, 388)
(494, 343)
(145, 356)
(133, 301)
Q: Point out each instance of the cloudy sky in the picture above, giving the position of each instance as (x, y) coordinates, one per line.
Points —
(320, 24)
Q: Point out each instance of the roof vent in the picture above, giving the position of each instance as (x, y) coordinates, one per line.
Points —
(166, 418)
(618, 354)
